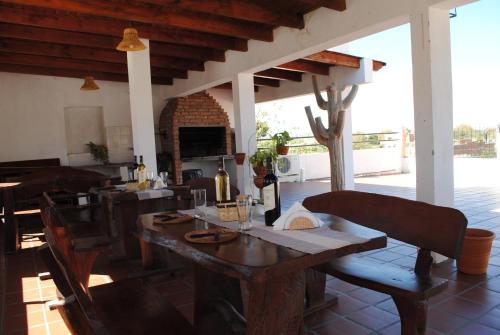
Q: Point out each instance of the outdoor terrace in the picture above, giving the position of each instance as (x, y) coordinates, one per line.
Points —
(470, 305)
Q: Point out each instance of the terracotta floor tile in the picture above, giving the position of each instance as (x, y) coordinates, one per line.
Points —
(386, 256)
(443, 321)
(58, 328)
(373, 318)
(340, 285)
(476, 329)
(317, 319)
(347, 305)
(492, 284)
(342, 327)
(464, 308)
(38, 330)
(181, 298)
(368, 296)
(388, 306)
(482, 295)
(491, 319)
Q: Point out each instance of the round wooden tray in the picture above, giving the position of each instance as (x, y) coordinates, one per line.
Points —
(224, 235)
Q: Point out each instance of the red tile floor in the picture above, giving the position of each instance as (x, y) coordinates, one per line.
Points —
(470, 305)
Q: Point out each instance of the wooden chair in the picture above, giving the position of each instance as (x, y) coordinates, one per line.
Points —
(124, 307)
(428, 227)
(209, 185)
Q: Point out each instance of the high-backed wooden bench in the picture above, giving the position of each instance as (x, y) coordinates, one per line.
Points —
(125, 307)
(21, 202)
(428, 227)
(80, 241)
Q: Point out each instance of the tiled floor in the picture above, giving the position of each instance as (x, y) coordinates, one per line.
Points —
(470, 305)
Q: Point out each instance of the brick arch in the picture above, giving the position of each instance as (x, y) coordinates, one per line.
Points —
(196, 110)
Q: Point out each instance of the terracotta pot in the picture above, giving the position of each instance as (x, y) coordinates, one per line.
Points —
(260, 171)
(282, 150)
(259, 182)
(240, 158)
(475, 251)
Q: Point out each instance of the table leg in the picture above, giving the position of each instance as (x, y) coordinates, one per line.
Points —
(316, 297)
(209, 286)
(146, 254)
(276, 307)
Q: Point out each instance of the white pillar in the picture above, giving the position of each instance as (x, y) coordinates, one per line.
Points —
(141, 106)
(244, 120)
(433, 108)
(348, 151)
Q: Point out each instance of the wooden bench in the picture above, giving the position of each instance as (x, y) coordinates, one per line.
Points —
(21, 202)
(428, 227)
(130, 306)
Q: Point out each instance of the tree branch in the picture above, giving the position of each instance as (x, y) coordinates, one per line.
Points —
(339, 127)
(321, 128)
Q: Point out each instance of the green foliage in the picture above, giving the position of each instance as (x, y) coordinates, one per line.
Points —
(262, 128)
(260, 157)
(281, 139)
(99, 152)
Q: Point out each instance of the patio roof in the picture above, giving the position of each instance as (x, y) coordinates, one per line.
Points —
(75, 38)
(317, 64)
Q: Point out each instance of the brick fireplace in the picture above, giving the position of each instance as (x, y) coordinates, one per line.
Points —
(193, 127)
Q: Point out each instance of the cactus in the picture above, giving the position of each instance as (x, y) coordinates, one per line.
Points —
(331, 137)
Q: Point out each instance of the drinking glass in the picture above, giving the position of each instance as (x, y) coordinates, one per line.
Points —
(244, 209)
(164, 177)
(200, 202)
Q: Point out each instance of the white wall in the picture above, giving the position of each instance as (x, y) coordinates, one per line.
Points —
(32, 112)
(378, 160)
(225, 98)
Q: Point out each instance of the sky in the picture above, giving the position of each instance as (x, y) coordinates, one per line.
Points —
(387, 103)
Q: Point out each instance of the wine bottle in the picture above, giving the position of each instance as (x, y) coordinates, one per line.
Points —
(141, 175)
(135, 166)
(222, 190)
(271, 194)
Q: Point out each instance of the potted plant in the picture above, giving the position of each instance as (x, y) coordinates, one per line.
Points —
(240, 158)
(475, 251)
(258, 161)
(281, 140)
(99, 152)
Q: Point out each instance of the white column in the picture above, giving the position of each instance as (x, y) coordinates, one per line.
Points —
(244, 120)
(141, 106)
(433, 108)
(348, 151)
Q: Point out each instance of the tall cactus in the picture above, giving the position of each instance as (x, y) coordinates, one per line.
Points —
(331, 137)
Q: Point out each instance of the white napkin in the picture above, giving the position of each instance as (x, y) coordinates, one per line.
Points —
(297, 210)
(159, 184)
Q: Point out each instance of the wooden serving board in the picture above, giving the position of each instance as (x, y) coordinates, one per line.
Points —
(171, 218)
(225, 235)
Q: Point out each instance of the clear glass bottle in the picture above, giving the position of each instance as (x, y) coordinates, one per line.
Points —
(141, 175)
(222, 188)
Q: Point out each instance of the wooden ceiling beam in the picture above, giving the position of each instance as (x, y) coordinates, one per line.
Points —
(52, 19)
(340, 59)
(229, 86)
(72, 73)
(29, 33)
(237, 9)
(258, 81)
(306, 66)
(280, 74)
(83, 65)
(85, 53)
(338, 5)
(207, 23)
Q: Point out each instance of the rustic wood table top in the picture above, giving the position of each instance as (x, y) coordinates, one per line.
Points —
(250, 258)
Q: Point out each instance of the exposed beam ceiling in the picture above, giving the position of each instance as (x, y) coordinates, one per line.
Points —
(79, 36)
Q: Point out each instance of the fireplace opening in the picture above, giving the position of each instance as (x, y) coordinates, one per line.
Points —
(202, 141)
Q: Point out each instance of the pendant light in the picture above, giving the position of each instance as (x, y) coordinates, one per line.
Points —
(131, 41)
(89, 84)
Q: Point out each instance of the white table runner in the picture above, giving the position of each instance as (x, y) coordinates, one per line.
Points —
(153, 194)
(311, 241)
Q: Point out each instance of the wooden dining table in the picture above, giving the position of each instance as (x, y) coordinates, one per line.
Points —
(265, 282)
